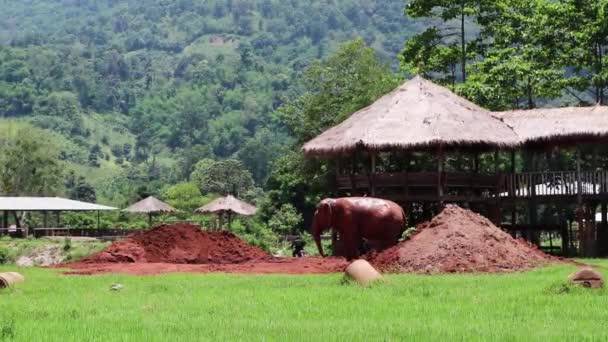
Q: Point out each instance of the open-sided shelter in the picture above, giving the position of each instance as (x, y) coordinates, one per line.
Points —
(422, 117)
(45, 205)
(150, 206)
(227, 205)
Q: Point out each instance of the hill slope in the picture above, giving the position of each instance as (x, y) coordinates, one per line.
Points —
(152, 80)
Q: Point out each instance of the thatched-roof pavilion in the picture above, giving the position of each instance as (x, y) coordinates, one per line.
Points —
(417, 115)
(228, 204)
(150, 205)
(420, 116)
(565, 125)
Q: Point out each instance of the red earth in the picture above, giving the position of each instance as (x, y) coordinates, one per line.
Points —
(187, 248)
(459, 240)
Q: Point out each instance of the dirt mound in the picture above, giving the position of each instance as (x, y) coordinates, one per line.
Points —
(178, 244)
(458, 240)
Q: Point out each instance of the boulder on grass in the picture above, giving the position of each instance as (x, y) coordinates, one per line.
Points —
(587, 277)
(362, 272)
(10, 278)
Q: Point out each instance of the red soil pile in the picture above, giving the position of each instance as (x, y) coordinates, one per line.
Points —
(459, 240)
(178, 244)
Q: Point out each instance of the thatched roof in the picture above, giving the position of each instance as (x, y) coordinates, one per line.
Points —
(559, 125)
(418, 114)
(150, 205)
(228, 203)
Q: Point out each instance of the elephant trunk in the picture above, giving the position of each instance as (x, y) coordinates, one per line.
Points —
(316, 234)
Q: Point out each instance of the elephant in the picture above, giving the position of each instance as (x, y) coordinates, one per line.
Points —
(358, 218)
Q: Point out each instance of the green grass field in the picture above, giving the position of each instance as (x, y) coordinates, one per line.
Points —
(227, 307)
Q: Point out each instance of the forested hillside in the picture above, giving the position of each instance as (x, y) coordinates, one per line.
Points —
(141, 90)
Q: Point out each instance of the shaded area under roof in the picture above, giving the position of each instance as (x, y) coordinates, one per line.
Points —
(228, 204)
(150, 205)
(418, 114)
(48, 204)
(558, 125)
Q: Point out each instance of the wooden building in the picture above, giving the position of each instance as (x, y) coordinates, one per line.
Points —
(510, 166)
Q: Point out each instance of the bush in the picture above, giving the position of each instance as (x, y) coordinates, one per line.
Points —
(67, 244)
(4, 255)
(285, 220)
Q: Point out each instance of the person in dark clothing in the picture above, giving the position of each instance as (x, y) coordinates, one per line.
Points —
(298, 247)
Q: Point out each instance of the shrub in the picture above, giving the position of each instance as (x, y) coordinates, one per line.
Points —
(67, 244)
(4, 255)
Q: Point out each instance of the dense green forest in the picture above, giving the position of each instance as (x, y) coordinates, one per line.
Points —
(189, 99)
(144, 89)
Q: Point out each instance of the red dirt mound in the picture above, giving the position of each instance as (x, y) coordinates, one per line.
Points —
(459, 240)
(178, 244)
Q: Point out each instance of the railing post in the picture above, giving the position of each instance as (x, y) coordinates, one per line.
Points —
(372, 178)
(440, 160)
(579, 185)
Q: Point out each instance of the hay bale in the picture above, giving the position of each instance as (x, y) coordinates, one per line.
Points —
(587, 277)
(10, 278)
(362, 272)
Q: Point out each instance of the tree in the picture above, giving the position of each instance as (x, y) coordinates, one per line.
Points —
(79, 189)
(521, 60)
(29, 162)
(222, 177)
(185, 196)
(350, 79)
(448, 35)
(286, 220)
(585, 45)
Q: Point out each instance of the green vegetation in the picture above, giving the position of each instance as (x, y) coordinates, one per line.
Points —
(513, 53)
(522, 306)
(142, 90)
(59, 248)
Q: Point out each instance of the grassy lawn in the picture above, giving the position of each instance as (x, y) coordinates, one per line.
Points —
(223, 307)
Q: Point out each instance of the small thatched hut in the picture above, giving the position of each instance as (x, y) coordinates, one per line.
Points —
(150, 205)
(227, 205)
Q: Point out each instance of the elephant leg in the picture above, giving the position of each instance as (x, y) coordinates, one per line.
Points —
(351, 245)
(334, 243)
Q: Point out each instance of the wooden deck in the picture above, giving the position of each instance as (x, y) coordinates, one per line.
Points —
(460, 187)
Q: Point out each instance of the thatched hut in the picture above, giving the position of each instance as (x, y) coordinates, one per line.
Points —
(420, 116)
(227, 205)
(150, 206)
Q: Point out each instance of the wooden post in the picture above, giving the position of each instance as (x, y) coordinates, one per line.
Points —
(5, 223)
(513, 161)
(603, 237)
(372, 177)
(440, 170)
(579, 184)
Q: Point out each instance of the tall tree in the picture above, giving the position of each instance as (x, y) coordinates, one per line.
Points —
(350, 79)
(451, 35)
(585, 45)
(520, 62)
(29, 162)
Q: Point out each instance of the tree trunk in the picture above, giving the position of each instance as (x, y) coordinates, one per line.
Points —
(463, 45)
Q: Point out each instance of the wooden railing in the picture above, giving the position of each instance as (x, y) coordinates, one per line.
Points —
(562, 183)
(462, 185)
